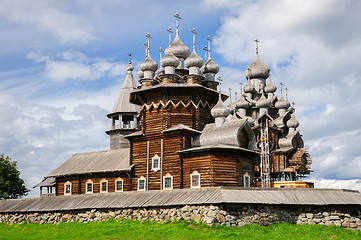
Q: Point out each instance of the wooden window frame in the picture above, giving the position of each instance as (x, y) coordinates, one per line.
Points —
(145, 183)
(195, 173)
(116, 184)
(68, 183)
(245, 176)
(86, 187)
(101, 185)
(155, 168)
(171, 181)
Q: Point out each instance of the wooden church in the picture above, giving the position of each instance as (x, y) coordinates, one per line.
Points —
(174, 131)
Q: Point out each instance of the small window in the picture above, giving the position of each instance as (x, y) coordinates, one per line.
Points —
(89, 186)
(104, 186)
(168, 182)
(141, 184)
(195, 180)
(246, 180)
(67, 188)
(155, 163)
(119, 184)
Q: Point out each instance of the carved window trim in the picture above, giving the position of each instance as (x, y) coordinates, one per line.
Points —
(116, 185)
(169, 178)
(66, 185)
(195, 180)
(106, 186)
(142, 183)
(87, 191)
(155, 163)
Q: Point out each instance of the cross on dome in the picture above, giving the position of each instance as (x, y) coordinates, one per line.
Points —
(281, 83)
(130, 58)
(209, 46)
(220, 83)
(230, 94)
(194, 38)
(286, 93)
(148, 43)
(177, 17)
(161, 55)
(146, 48)
(256, 41)
(235, 95)
(205, 52)
(169, 30)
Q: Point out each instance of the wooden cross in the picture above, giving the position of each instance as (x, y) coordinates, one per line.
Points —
(130, 58)
(161, 55)
(194, 38)
(205, 52)
(281, 83)
(209, 46)
(286, 93)
(146, 48)
(256, 41)
(220, 83)
(169, 30)
(235, 94)
(149, 37)
(177, 17)
(230, 94)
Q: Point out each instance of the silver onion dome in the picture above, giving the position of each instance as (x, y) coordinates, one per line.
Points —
(193, 60)
(263, 102)
(220, 110)
(130, 68)
(178, 48)
(270, 87)
(210, 67)
(292, 122)
(257, 69)
(148, 65)
(282, 103)
(140, 74)
(169, 59)
(242, 103)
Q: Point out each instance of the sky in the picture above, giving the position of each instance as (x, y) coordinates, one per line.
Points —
(62, 64)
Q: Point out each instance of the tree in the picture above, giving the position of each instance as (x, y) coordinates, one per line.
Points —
(11, 185)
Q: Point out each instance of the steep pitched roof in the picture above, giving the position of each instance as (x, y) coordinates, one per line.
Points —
(94, 162)
(122, 103)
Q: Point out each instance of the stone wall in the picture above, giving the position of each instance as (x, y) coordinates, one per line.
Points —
(228, 215)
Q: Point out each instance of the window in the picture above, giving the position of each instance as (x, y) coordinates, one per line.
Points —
(104, 185)
(67, 188)
(155, 163)
(195, 180)
(246, 180)
(141, 184)
(89, 186)
(168, 182)
(119, 185)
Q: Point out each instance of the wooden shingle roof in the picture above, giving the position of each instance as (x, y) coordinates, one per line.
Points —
(181, 197)
(94, 162)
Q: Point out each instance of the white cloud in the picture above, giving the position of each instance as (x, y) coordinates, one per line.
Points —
(48, 16)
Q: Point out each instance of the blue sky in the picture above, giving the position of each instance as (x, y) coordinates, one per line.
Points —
(62, 64)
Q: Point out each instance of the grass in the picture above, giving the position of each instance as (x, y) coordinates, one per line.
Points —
(112, 229)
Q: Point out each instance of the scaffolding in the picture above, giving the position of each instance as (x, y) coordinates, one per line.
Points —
(265, 156)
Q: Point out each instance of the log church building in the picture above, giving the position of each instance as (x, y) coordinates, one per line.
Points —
(174, 131)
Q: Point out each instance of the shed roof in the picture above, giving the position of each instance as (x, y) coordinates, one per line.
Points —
(46, 182)
(94, 162)
(181, 197)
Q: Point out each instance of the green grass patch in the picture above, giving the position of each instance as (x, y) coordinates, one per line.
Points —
(112, 229)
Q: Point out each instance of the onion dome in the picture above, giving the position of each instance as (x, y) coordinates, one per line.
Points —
(140, 74)
(270, 87)
(220, 110)
(148, 65)
(231, 107)
(210, 67)
(263, 102)
(257, 69)
(178, 48)
(248, 88)
(279, 122)
(242, 103)
(169, 60)
(193, 60)
(292, 122)
(130, 68)
(282, 103)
